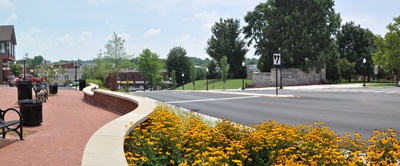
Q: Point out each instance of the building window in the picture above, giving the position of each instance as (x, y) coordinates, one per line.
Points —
(140, 76)
(66, 77)
(2, 48)
(55, 77)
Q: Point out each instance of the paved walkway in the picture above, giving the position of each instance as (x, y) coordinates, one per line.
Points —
(68, 123)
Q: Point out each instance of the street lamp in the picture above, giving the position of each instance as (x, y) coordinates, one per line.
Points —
(75, 82)
(170, 84)
(183, 85)
(26, 56)
(243, 65)
(364, 61)
(207, 78)
(116, 85)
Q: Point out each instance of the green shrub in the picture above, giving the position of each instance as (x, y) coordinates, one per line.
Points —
(94, 81)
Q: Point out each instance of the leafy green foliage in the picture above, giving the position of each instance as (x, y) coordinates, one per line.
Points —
(388, 48)
(347, 68)
(300, 29)
(115, 54)
(173, 78)
(193, 76)
(95, 81)
(150, 65)
(212, 70)
(224, 69)
(178, 61)
(355, 44)
(226, 41)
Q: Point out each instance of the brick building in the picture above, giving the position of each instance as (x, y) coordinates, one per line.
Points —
(7, 50)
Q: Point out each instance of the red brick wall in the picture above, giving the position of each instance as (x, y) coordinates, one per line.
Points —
(115, 103)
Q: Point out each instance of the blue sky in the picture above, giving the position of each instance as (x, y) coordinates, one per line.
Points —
(78, 29)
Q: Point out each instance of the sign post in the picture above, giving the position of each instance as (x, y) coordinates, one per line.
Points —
(277, 62)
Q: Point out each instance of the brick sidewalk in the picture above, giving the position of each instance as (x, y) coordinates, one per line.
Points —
(68, 123)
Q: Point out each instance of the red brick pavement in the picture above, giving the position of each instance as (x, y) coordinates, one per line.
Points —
(68, 123)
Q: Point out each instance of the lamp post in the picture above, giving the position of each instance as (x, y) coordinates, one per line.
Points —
(76, 84)
(116, 86)
(26, 56)
(207, 78)
(170, 84)
(364, 61)
(243, 65)
(183, 80)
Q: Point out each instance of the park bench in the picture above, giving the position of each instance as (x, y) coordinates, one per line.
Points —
(40, 91)
(11, 125)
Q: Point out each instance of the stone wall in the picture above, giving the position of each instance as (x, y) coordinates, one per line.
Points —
(290, 76)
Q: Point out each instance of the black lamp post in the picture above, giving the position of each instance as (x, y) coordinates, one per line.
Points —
(365, 68)
(26, 56)
(183, 80)
(170, 84)
(244, 74)
(76, 84)
(207, 78)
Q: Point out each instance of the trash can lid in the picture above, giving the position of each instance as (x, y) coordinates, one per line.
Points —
(29, 101)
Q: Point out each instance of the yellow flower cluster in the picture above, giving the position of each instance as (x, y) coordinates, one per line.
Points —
(168, 139)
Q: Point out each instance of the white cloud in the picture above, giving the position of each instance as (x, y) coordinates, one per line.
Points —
(6, 4)
(207, 26)
(152, 32)
(86, 34)
(359, 19)
(206, 16)
(11, 18)
(66, 38)
(124, 36)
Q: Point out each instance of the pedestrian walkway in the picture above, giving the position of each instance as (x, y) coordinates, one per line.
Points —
(68, 123)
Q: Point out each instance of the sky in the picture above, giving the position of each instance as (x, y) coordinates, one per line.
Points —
(79, 29)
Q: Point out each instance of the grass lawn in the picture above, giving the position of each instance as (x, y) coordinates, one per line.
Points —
(216, 84)
(375, 84)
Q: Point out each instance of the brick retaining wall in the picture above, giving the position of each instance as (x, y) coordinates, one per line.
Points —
(111, 102)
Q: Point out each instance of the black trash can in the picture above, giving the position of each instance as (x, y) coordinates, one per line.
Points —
(82, 84)
(53, 89)
(24, 89)
(31, 111)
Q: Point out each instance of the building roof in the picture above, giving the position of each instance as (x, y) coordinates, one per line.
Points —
(7, 33)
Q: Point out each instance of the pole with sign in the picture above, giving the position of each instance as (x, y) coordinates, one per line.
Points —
(277, 62)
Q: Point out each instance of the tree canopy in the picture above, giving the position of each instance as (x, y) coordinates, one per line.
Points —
(299, 29)
(150, 65)
(226, 41)
(354, 44)
(178, 61)
(388, 48)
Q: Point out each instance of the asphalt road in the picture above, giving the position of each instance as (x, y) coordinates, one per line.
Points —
(359, 110)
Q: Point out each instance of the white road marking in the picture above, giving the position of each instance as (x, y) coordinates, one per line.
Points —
(232, 98)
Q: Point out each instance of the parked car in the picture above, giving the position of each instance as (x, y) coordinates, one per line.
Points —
(27, 77)
(132, 89)
(398, 84)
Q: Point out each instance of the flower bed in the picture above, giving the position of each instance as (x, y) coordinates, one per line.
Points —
(170, 139)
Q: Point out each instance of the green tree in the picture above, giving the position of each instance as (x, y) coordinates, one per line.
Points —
(178, 61)
(347, 68)
(212, 70)
(355, 44)
(101, 69)
(150, 66)
(173, 78)
(115, 54)
(224, 69)
(299, 29)
(193, 75)
(388, 48)
(226, 41)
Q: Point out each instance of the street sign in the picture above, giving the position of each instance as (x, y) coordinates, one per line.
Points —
(277, 59)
